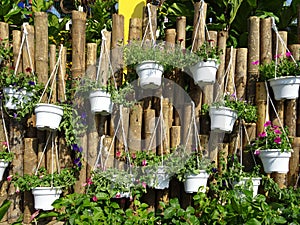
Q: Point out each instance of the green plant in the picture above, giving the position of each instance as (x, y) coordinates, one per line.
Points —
(5, 50)
(27, 91)
(245, 110)
(209, 52)
(273, 137)
(4, 154)
(65, 178)
(194, 163)
(285, 67)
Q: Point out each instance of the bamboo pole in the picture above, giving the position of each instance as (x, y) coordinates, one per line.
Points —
(17, 36)
(105, 70)
(78, 43)
(253, 55)
(241, 72)
(170, 37)
(175, 136)
(30, 155)
(261, 103)
(199, 24)
(4, 30)
(290, 119)
(186, 138)
(147, 33)
(135, 29)
(281, 48)
(41, 41)
(165, 147)
(149, 126)
(223, 151)
(230, 57)
(91, 60)
(61, 79)
(265, 40)
(249, 134)
(181, 33)
(135, 128)
(52, 62)
(26, 60)
(294, 163)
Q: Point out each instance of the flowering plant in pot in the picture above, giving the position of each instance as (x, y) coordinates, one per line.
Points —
(45, 187)
(205, 67)
(273, 146)
(21, 92)
(283, 76)
(224, 113)
(5, 158)
(195, 172)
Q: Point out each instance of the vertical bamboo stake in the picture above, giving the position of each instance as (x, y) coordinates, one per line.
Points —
(78, 43)
(165, 147)
(281, 47)
(170, 37)
(149, 125)
(180, 28)
(249, 130)
(223, 151)
(230, 55)
(219, 85)
(91, 60)
(153, 10)
(199, 34)
(265, 40)
(294, 163)
(4, 30)
(291, 116)
(30, 155)
(135, 128)
(185, 138)
(52, 62)
(107, 142)
(241, 72)
(105, 71)
(41, 41)
(135, 29)
(16, 49)
(261, 102)
(253, 55)
(26, 62)
(61, 79)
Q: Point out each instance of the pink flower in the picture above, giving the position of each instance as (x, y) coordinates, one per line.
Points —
(94, 198)
(118, 195)
(144, 162)
(5, 143)
(277, 56)
(17, 190)
(263, 134)
(277, 131)
(268, 123)
(34, 215)
(89, 181)
(288, 54)
(144, 184)
(9, 178)
(133, 155)
(256, 152)
(277, 140)
(118, 154)
(84, 184)
(255, 62)
(41, 176)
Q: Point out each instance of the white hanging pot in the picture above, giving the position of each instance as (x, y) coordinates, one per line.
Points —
(193, 182)
(3, 166)
(275, 161)
(45, 196)
(15, 98)
(204, 72)
(101, 102)
(243, 183)
(222, 118)
(285, 87)
(161, 179)
(48, 116)
(150, 73)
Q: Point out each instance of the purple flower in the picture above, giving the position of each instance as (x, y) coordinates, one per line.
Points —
(77, 162)
(83, 115)
(263, 134)
(15, 115)
(277, 131)
(288, 54)
(268, 123)
(94, 198)
(76, 148)
(31, 83)
(214, 170)
(255, 62)
(277, 140)
(144, 162)
(256, 152)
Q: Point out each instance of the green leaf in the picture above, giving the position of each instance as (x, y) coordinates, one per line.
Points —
(4, 207)
(169, 213)
(253, 221)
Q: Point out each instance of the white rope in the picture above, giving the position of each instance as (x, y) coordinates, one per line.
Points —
(197, 26)
(124, 137)
(101, 53)
(20, 52)
(4, 127)
(99, 154)
(189, 128)
(43, 153)
(28, 51)
(161, 130)
(153, 134)
(56, 154)
(149, 24)
(52, 160)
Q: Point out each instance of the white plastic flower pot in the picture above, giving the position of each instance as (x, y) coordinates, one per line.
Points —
(48, 116)
(222, 119)
(285, 87)
(275, 161)
(193, 182)
(255, 184)
(15, 98)
(101, 102)
(161, 179)
(150, 74)
(204, 72)
(45, 196)
(3, 166)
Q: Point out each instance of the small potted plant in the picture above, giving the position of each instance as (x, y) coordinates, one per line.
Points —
(223, 114)
(286, 80)
(194, 173)
(45, 187)
(205, 68)
(21, 92)
(5, 158)
(273, 146)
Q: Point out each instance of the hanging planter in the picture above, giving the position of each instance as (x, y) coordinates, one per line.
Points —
(101, 102)
(161, 178)
(204, 72)
(222, 118)
(274, 160)
(3, 166)
(150, 73)
(48, 116)
(285, 87)
(16, 98)
(45, 196)
(193, 182)
(245, 184)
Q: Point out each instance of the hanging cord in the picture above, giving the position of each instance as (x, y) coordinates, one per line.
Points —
(248, 141)
(197, 140)
(51, 76)
(198, 23)
(149, 25)
(226, 74)
(280, 123)
(101, 53)
(99, 154)
(24, 40)
(154, 131)
(52, 159)
(124, 138)
(4, 127)
(56, 154)
(43, 153)
(161, 130)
